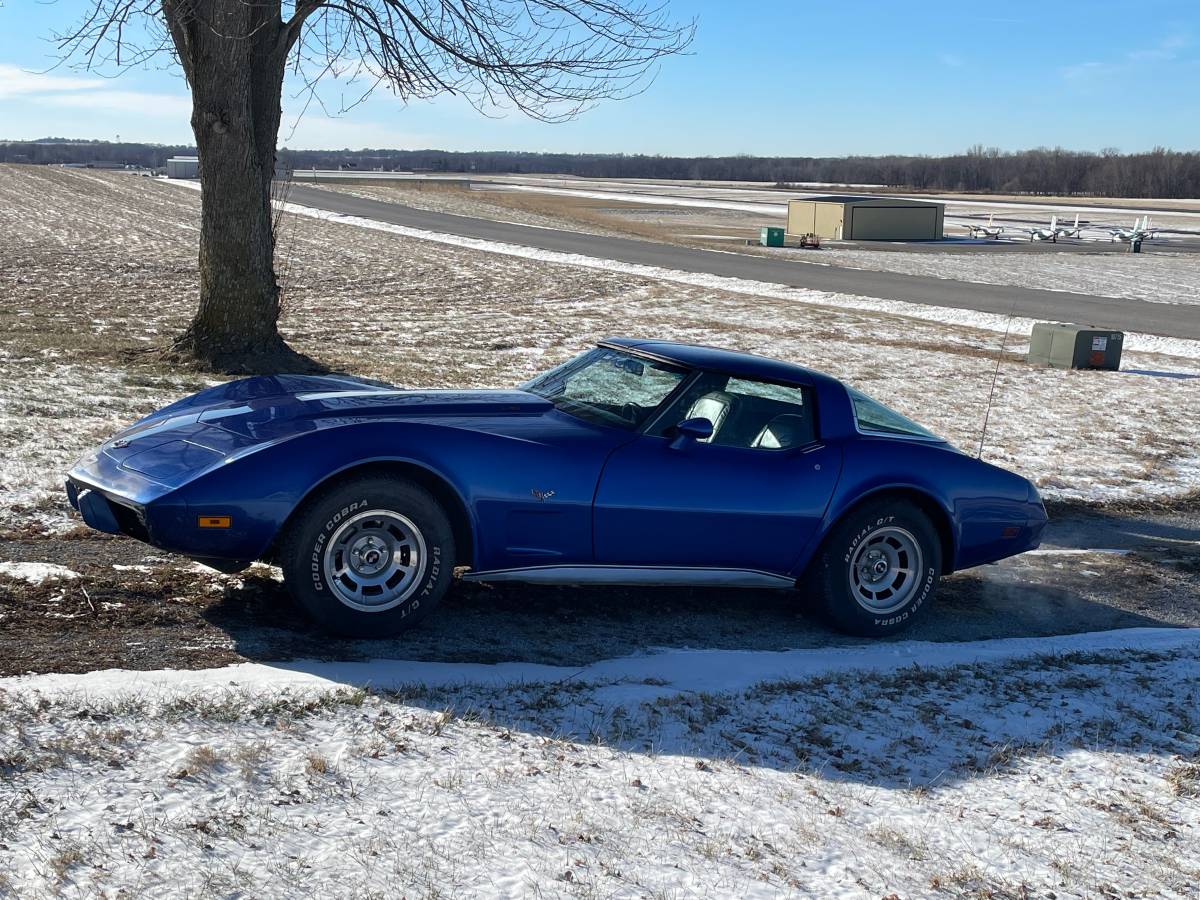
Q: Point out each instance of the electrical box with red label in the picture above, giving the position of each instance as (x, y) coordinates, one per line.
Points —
(1075, 346)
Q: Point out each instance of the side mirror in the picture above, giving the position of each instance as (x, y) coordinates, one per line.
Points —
(691, 430)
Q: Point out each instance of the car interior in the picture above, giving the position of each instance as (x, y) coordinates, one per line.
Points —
(746, 420)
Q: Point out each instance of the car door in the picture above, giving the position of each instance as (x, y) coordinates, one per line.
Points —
(749, 498)
(533, 494)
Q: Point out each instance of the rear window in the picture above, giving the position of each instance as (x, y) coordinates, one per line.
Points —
(874, 416)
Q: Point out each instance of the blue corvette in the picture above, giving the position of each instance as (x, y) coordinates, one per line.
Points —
(637, 462)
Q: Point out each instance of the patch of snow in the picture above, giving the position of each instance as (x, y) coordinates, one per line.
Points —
(36, 572)
(673, 671)
(1159, 277)
(1075, 551)
(1003, 776)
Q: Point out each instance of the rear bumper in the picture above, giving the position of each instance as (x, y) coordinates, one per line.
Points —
(988, 540)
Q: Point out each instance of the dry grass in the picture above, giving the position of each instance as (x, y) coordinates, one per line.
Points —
(1184, 779)
(561, 211)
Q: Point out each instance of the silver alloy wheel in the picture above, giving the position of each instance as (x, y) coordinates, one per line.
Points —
(885, 569)
(374, 560)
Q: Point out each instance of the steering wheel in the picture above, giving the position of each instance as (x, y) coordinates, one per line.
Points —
(630, 412)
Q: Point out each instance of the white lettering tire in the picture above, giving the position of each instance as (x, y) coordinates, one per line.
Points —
(877, 572)
(369, 557)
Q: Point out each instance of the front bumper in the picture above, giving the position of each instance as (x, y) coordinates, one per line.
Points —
(107, 513)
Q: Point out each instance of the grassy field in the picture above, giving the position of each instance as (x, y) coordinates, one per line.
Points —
(1058, 772)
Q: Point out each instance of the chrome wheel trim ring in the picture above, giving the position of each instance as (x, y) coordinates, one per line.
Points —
(885, 569)
(374, 560)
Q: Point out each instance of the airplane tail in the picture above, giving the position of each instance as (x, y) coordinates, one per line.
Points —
(1053, 222)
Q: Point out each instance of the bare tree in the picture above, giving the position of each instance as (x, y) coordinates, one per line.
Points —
(549, 59)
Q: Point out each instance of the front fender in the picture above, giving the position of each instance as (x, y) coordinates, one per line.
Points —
(491, 472)
(258, 489)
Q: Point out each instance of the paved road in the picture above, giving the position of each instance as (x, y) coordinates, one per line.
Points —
(1173, 320)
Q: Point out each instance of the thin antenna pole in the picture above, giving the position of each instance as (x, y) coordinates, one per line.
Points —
(987, 414)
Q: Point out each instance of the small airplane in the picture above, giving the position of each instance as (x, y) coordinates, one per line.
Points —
(1141, 231)
(988, 231)
(1055, 231)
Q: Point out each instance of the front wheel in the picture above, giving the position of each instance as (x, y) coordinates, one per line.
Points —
(369, 557)
(878, 570)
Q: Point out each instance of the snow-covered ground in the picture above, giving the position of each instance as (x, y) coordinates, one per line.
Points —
(1159, 277)
(1134, 341)
(51, 411)
(1183, 213)
(988, 770)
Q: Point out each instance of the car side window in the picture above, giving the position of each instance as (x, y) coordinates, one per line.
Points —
(872, 415)
(757, 415)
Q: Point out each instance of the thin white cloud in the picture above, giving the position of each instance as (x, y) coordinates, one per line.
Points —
(1166, 49)
(1085, 72)
(18, 82)
(953, 60)
(140, 103)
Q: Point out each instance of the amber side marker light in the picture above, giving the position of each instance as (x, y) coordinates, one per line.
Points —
(214, 521)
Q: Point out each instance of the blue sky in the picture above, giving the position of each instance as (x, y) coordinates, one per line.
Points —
(778, 77)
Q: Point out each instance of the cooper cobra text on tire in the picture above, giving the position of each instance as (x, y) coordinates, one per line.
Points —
(369, 557)
(878, 570)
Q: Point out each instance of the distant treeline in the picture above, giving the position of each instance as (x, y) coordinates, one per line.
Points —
(1156, 173)
(62, 151)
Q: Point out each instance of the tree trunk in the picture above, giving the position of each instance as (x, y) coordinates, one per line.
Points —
(235, 69)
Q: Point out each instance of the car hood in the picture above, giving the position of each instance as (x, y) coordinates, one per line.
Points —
(208, 427)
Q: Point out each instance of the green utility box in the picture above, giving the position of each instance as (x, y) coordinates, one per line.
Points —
(1075, 346)
(771, 237)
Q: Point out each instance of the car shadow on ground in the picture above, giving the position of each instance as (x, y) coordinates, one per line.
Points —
(1145, 573)
(1128, 530)
(908, 725)
(897, 728)
(575, 626)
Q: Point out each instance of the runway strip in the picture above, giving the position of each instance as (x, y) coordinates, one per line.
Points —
(1172, 320)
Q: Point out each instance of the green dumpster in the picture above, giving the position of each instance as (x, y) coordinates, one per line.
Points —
(771, 237)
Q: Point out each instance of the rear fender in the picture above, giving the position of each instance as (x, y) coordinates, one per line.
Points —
(929, 474)
(846, 500)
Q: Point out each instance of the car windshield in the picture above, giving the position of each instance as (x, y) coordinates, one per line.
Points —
(874, 416)
(608, 387)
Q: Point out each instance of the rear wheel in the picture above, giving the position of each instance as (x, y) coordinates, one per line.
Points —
(369, 557)
(878, 570)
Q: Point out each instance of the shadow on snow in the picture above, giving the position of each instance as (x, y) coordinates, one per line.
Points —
(590, 665)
